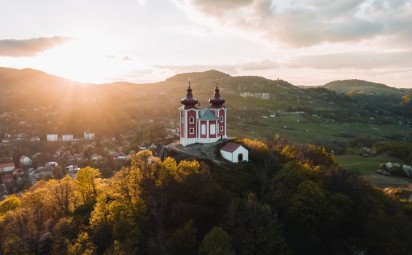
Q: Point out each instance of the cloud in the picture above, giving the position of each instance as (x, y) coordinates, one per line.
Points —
(226, 68)
(355, 60)
(310, 22)
(127, 58)
(141, 2)
(29, 47)
(175, 69)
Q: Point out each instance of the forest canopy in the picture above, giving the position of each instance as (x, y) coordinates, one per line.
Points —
(290, 199)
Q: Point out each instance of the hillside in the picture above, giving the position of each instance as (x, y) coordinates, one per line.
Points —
(211, 75)
(258, 106)
(357, 87)
(291, 199)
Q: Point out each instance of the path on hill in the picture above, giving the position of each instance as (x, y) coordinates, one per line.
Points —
(203, 151)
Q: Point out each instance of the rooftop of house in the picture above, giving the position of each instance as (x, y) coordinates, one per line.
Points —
(7, 167)
(230, 147)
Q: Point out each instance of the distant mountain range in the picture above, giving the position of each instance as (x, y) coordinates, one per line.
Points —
(12, 79)
(48, 102)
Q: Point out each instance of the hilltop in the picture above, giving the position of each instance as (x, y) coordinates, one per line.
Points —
(36, 103)
(356, 87)
(48, 104)
(212, 75)
(290, 199)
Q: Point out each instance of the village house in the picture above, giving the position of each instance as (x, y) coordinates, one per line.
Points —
(3, 191)
(72, 170)
(52, 137)
(67, 138)
(43, 172)
(7, 168)
(89, 136)
(25, 161)
(7, 172)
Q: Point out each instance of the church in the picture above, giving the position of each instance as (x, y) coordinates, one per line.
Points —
(202, 125)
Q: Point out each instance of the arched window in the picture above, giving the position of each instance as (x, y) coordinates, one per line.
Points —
(191, 120)
(203, 129)
(212, 129)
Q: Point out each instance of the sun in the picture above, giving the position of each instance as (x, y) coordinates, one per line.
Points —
(83, 60)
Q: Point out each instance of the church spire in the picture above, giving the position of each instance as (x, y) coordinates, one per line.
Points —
(217, 101)
(189, 101)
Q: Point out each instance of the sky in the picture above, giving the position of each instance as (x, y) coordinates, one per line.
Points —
(306, 42)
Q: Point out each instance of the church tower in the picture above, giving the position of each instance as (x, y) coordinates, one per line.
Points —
(202, 125)
(217, 107)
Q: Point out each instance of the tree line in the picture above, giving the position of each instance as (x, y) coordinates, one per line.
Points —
(290, 199)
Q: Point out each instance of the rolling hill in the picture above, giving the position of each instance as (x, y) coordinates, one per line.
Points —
(356, 87)
(37, 103)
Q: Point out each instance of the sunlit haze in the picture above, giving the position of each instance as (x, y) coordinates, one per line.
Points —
(304, 42)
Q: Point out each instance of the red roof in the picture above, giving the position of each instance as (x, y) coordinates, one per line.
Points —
(6, 167)
(230, 147)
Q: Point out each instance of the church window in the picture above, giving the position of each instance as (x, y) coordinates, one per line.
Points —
(213, 129)
(191, 131)
(191, 120)
(203, 129)
(221, 128)
(221, 118)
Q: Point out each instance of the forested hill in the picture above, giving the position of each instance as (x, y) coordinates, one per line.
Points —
(352, 87)
(290, 199)
(48, 103)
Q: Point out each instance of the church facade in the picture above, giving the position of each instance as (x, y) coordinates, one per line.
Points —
(202, 125)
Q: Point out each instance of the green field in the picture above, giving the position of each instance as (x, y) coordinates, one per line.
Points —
(367, 166)
(307, 129)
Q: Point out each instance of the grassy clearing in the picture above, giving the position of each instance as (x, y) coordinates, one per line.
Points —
(301, 129)
(363, 165)
(367, 166)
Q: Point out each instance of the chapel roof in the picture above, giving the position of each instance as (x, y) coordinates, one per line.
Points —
(206, 114)
(230, 147)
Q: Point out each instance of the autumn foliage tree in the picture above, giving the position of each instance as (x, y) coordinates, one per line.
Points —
(291, 199)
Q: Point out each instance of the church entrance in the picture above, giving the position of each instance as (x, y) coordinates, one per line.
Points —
(240, 157)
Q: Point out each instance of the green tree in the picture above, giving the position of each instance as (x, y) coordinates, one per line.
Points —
(82, 245)
(254, 228)
(183, 240)
(58, 172)
(217, 242)
(87, 181)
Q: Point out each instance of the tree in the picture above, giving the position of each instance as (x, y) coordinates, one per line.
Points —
(309, 212)
(254, 228)
(86, 182)
(82, 245)
(58, 172)
(217, 242)
(63, 194)
(9, 204)
(183, 240)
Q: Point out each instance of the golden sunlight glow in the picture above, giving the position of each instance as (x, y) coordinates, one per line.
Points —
(87, 61)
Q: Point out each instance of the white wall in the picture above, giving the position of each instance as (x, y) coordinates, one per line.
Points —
(233, 157)
(52, 137)
(226, 155)
(89, 136)
(67, 138)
